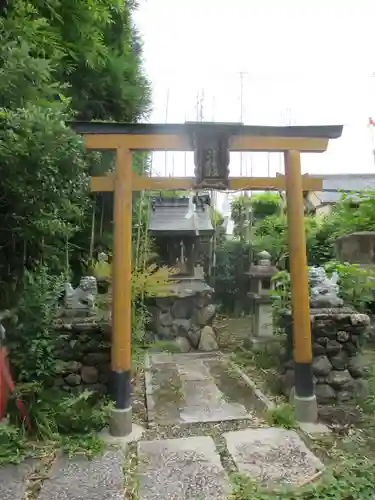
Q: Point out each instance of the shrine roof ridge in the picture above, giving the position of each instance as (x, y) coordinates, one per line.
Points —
(233, 129)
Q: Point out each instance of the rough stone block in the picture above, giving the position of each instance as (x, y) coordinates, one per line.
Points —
(321, 366)
(339, 379)
(325, 393)
(89, 374)
(208, 340)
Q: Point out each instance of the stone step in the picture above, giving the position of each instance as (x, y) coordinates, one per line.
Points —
(272, 456)
(181, 469)
(78, 478)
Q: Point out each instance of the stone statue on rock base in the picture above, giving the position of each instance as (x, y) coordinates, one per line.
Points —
(81, 300)
(323, 291)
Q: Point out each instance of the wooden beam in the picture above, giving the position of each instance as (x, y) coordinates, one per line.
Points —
(304, 399)
(279, 144)
(141, 142)
(139, 183)
(173, 142)
(121, 421)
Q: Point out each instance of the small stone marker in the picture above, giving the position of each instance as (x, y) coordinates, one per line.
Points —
(272, 456)
(79, 478)
(181, 469)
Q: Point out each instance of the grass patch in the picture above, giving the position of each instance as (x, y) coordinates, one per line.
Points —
(282, 416)
(352, 479)
(57, 419)
(262, 366)
(131, 483)
(88, 445)
(13, 444)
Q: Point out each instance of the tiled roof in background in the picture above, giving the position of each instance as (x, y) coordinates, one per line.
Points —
(333, 184)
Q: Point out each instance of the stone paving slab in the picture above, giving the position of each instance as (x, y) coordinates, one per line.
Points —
(181, 469)
(192, 370)
(163, 394)
(13, 480)
(205, 403)
(81, 479)
(193, 388)
(272, 456)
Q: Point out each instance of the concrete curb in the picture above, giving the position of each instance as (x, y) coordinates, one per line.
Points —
(309, 430)
(264, 404)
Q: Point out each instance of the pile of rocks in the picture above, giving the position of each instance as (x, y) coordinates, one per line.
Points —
(83, 355)
(184, 318)
(339, 369)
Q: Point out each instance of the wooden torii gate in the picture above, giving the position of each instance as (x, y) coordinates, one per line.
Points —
(212, 143)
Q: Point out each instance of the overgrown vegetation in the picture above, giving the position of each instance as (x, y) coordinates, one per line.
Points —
(53, 420)
(350, 479)
(355, 286)
(349, 453)
(261, 224)
(59, 61)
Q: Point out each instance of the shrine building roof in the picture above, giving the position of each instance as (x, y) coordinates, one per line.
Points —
(174, 216)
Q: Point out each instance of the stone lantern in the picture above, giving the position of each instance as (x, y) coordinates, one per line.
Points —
(260, 294)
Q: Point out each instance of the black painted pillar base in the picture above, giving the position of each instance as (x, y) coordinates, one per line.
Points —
(121, 418)
(304, 399)
(304, 381)
(120, 389)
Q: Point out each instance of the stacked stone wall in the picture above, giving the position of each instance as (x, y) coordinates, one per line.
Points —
(339, 369)
(83, 353)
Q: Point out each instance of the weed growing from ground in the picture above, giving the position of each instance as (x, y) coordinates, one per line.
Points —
(282, 416)
(351, 479)
(13, 444)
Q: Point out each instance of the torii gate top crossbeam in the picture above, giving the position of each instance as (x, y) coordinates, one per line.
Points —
(177, 137)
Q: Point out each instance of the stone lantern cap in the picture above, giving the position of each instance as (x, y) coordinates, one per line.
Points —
(264, 268)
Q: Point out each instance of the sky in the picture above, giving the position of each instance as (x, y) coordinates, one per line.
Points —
(303, 62)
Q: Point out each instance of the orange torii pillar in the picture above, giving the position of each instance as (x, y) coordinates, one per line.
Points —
(212, 143)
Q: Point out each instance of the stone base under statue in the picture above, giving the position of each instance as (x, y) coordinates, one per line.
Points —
(183, 316)
(339, 369)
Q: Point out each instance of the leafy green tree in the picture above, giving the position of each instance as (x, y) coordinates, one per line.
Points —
(320, 239)
(59, 59)
(102, 57)
(231, 282)
(265, 204)
(354, 212)
(270, 234)
(246, 210)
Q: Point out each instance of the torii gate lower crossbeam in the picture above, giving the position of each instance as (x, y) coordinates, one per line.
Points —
(126, 138)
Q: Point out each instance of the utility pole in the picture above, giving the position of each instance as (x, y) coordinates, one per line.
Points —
(241, 118)
(166, 121)
(185, 157)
